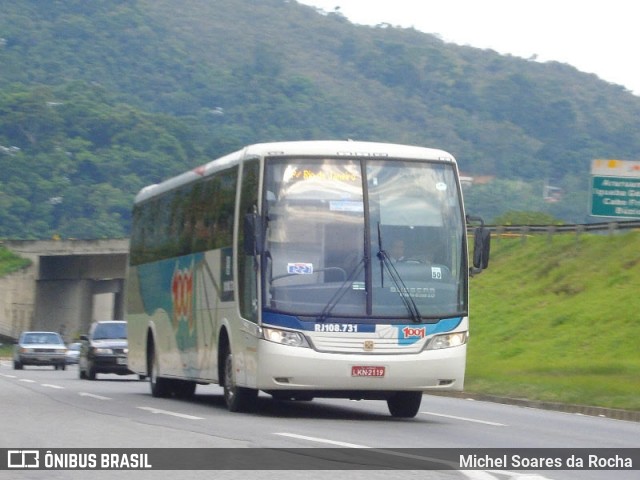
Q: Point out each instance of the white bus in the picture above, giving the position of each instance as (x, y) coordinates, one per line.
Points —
(304, 269)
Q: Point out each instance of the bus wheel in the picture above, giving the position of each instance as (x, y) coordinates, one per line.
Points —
(238, 399)
(160, 387)
(404, 404)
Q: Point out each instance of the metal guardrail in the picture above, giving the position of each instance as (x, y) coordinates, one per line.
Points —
(609, 227)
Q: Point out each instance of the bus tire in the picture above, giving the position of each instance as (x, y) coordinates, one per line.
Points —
(404, 404)
(238, 399)
(160, 387)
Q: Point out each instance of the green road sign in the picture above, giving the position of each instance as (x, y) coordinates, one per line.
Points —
(615, 197)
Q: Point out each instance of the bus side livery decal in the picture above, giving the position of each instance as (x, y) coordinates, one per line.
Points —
(173, 292)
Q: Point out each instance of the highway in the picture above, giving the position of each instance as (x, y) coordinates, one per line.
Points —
(44, 408)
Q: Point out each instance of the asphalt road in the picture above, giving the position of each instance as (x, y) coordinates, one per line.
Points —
(44, 408)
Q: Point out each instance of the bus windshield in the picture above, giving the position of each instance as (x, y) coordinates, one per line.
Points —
(363, 239)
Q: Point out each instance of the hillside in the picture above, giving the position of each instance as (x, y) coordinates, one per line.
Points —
(557, 320)
(100, 98)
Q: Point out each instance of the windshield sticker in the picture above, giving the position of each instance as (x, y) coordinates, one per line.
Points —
(436, 273)
(300, 268)
(346, 206)
(441, 186)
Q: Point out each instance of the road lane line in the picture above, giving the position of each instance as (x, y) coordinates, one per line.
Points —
(173, 414)
(51, 386)
(470, 474)
(466, 419)
(320, 440)
(93, 395)
(27, 380)
(8, 376)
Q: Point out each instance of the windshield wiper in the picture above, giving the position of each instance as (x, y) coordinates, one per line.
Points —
(403, 291)
(340, 291)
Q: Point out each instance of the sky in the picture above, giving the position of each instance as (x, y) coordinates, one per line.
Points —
(595, 36)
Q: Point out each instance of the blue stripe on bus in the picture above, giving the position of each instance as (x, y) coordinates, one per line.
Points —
(294, 323)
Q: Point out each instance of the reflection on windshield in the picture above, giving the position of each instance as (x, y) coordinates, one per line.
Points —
(110, 331)
(323, 242)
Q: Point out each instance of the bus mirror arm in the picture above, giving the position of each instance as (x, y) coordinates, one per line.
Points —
(481, 246)
(252, 234)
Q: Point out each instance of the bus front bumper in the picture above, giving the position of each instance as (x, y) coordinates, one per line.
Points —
(282, 367)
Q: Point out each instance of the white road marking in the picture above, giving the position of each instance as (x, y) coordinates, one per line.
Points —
(470, 474)
(485, 422)
(93, 395)
(473, 475)
(320, 440)
(52, 386)
(173, 414)
(27, 380)
(8, 376)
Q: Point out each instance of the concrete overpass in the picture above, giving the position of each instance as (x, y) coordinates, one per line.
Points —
(69, 284)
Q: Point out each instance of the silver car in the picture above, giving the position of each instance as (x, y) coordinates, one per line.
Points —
(73, 352)
(40, 348)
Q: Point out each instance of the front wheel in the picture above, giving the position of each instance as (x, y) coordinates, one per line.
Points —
(405, 404)
(238, 399)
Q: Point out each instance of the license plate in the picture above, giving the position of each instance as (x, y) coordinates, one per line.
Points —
(121, 361)
(367, 371)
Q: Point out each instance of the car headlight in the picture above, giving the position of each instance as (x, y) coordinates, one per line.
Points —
(27, 350)
(103, 351)
(285, 337)
(448, 340)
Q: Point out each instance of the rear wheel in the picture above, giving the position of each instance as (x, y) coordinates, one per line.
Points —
(17, 365)
(405, 404)
(160, 387)
(238, 399)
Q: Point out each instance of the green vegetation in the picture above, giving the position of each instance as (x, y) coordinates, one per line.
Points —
(100, 98)
(556, 319)
(10, 262)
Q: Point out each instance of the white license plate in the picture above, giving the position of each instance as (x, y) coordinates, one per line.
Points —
(121, 361)
(367, 371)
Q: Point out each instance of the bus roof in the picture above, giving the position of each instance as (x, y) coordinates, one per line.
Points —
(330, 148)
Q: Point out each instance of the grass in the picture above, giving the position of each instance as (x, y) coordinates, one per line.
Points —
(10, 262)
(557, 319)
(6, 350)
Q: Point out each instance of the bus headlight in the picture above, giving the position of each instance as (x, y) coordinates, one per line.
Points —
(448, 340)
(285, 337)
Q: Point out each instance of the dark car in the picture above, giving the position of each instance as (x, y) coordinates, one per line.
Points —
(40, 348)
(104, 350)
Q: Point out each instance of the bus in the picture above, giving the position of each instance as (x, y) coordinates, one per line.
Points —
(307, 269)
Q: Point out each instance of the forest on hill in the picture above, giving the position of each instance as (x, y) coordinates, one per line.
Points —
(98, 99)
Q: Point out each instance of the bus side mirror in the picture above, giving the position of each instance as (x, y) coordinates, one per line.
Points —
(252, 234)
(481, 247)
